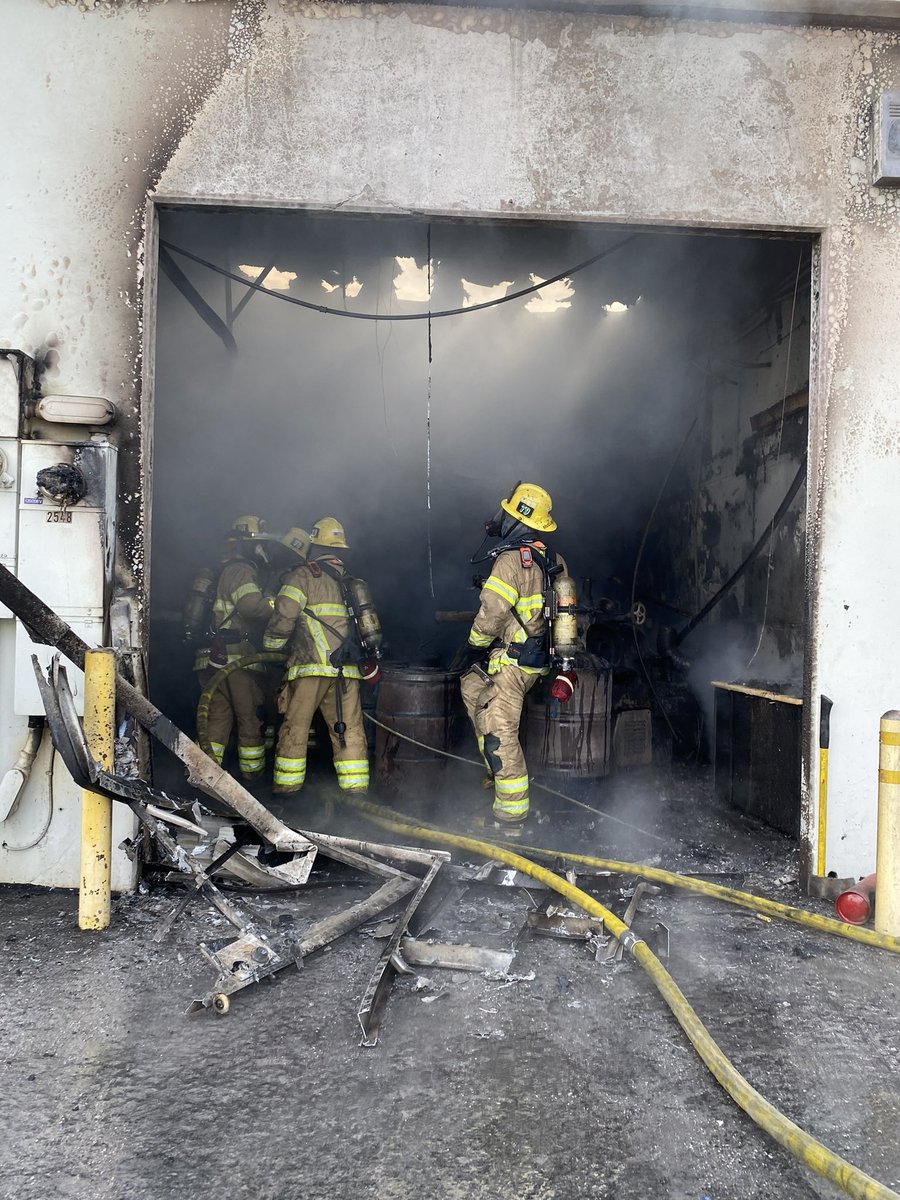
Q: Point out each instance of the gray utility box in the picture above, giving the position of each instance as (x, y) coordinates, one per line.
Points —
(886, 140)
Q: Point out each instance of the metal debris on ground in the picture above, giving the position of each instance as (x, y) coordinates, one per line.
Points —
(261, 851)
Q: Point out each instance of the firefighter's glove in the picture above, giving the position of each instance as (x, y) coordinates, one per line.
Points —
(563, 686)
(470, 655)
(370, 671)
(218, 652)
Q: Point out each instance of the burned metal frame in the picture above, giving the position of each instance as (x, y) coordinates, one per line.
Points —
(259, 951)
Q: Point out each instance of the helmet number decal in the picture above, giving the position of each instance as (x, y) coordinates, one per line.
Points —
(525, 509)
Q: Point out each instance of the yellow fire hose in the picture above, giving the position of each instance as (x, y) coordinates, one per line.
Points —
(802, 1145)
(264, 656)
(771, 908)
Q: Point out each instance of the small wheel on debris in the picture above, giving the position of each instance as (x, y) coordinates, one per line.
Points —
(221, 1003)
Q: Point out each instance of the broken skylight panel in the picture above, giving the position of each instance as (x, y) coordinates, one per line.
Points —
(484, 293)
(552, 297)
(275, 280)
(411, 283)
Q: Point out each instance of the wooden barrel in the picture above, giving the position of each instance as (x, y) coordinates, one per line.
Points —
(424, 703)
(575, 743)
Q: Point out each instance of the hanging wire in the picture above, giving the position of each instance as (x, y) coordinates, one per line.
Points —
(787, 367)
(428, 425)
(380, 349)
(637, 567)
(419, 316)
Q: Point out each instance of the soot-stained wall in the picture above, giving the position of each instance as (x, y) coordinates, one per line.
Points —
(496, 112)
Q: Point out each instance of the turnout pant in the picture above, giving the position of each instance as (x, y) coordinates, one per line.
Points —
(239, 698)
(298, 700)
(495, 710)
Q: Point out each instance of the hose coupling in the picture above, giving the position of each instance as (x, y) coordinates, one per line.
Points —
(628, 940)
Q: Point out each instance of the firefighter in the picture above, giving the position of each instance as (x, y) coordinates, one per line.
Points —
(323, 671)
(240, 614)
(510, 626)
(285, 553)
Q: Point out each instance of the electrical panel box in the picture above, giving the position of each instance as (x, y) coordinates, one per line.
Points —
(9, 507)
(886, 140)
(65, 553)
(9, 398)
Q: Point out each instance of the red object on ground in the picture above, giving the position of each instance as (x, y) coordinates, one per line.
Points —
(855, 905)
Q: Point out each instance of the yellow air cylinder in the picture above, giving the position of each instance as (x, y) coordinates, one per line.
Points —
(367, 621)
(96, 811)
(199, 604)
(565, 622)
(887, 855)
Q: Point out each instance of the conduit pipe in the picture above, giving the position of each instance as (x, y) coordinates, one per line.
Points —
(805, 1148)
(17, 776)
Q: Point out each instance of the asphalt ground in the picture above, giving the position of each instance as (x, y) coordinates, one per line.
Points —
(568, 1079)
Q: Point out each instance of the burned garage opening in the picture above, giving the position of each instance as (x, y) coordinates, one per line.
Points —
(654, 382)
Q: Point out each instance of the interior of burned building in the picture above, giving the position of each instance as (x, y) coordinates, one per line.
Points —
(393, 375)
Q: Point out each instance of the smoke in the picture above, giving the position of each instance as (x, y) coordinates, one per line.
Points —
(317, 415)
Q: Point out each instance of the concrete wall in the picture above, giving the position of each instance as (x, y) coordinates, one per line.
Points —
(499, 112)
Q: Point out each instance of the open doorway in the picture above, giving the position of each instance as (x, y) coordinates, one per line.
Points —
(660, 394)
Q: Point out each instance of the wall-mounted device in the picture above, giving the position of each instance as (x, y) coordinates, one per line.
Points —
(75, 410)
(886, 140)
(66, 543)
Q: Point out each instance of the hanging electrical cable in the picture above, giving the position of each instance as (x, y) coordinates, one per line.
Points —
(784, 392)
(637, 567)
(419, 316)
(428, 422)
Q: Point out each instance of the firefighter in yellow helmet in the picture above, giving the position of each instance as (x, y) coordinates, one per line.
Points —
(511, 629)
(323, 671)
(240, 614)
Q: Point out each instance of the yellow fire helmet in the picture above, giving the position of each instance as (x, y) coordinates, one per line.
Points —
(329, 532)
(251, 527)
(530, 504)
(297, 539)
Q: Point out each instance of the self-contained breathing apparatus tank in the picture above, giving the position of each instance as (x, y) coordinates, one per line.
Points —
(198, 606)
(563, 600)
(364, 616)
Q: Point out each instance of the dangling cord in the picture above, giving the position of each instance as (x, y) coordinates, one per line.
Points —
(428, 427)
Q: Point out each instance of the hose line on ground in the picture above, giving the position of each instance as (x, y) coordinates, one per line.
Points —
(541, 787)
(807, 1149)
(687, 883)
(772, 908)
(272, 656)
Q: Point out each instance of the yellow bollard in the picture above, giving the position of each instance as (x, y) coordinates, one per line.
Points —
(887, 853)
(825, 706)
(96, 811)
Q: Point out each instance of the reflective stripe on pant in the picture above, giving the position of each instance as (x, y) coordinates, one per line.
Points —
(495, 710)
(238, 699)
(299, 701)
(290, 773)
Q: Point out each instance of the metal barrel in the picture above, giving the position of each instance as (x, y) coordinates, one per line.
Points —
(575, 743)
(423, 703)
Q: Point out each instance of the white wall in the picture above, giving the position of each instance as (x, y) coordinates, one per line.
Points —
(496, 112)
(96, 103)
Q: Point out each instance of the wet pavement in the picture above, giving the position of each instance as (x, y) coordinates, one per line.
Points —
(569, 1079)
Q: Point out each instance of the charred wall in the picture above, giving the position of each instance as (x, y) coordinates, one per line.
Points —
(461, 111)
